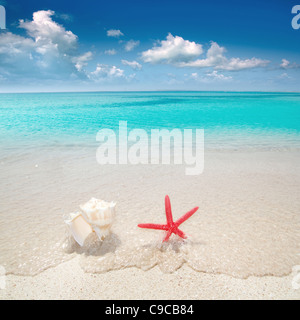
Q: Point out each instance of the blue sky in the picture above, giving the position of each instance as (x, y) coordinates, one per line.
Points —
(149, 45)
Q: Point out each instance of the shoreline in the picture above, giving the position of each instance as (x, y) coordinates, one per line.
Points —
(69, 281)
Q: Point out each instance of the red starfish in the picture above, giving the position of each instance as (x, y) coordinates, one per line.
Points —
(171, 226)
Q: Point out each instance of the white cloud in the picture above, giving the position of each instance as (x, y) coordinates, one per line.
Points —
(218, 76)
(215, 58)
(285, 64)
(81, 61)
(172, 51)
(194, 75)
(235, 64)
(110, 52)
(114, 33)
(105, 71)
(14, 44)
(182, 53)
(209, 77)
(48, 51)
(50, 37)
(131, 44)
(132, 64)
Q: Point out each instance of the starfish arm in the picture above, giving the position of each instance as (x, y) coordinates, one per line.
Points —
(186, 216)
(167, 235)
(168, 211)
(153, 226)
(180, 234)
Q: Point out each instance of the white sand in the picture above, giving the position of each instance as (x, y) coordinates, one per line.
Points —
(247, 225)
(68, 281)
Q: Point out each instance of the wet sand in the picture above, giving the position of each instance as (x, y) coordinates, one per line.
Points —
(69, 281)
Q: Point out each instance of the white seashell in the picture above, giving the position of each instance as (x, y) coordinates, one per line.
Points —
(97, 215)
(79, 227)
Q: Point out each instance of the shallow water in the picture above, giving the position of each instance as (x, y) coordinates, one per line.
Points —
(248, 221)
(230, 119)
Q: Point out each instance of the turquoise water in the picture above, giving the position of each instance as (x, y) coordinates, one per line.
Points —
(230, 120)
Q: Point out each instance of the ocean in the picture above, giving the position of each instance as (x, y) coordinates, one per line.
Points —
(230, 119)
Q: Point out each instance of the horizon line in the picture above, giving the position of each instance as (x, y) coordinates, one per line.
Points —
(124, 91)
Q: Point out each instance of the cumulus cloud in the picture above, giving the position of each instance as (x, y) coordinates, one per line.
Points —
(132, 64)
(81, 61)
(14, 44)
(235, 64)
(114, 33)
(16, 55)
(285, 64)
(210, 77)
(110, 52)
(215, 58)
(48, 51)
(173, 50)
(105, 71)
(182, 53)
(131, 44)
(49, 36)
(218, 76)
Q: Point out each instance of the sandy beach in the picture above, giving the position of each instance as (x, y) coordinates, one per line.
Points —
(243, 243)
